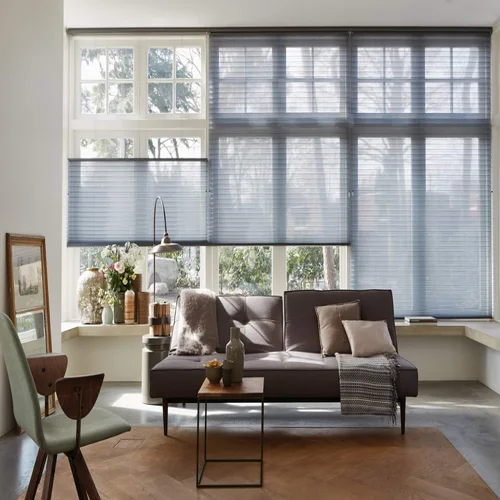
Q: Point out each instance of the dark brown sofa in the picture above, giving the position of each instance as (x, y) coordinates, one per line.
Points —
(290, 360)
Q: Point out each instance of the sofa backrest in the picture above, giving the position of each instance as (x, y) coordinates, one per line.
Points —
(301, 324)
(259, 318)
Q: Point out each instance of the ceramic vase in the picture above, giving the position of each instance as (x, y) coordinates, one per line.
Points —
(89, 305)
(107, 315)
(119, 309)
(235, 352)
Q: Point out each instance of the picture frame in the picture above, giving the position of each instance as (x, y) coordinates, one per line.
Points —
(28, 290)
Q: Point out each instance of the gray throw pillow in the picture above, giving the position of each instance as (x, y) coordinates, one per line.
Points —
(332, 334)
(368, 338)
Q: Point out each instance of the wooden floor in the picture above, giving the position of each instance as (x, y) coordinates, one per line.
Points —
(302, 464)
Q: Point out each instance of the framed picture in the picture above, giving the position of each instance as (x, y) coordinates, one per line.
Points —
(29, 296)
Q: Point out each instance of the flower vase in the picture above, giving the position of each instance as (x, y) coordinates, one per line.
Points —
(107, 315)
(235, 352)
(119, 309)
(89, 305)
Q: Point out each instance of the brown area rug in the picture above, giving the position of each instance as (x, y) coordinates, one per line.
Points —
(305, 463)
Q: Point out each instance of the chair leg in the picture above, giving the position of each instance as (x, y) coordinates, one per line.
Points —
(36, 475)
(48, 482)
(165, 417)
(402, 405)
(82, 494)
(85, 477)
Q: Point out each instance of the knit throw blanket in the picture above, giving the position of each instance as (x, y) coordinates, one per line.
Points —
(368, 385)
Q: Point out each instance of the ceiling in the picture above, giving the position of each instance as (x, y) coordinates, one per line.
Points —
(239, 13)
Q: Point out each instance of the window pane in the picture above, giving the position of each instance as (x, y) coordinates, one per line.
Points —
(299, 62)
(326, 97)
(231, 97)
(326, 62)
(437, 63)
(188, 97)
(231, 62)
(245, 270)
(93, 98)
(312, 267)
(259, 97)
(121, 98)
(382, 246)
(370, 97)
(437, 97)
(298, 97)
(466, 97)
(188, 62)
(159, 97)
(174, 272)
(398, 98)
(454, 225)
(259, 62)
(397, 62)
(370, 62)
(93, 64)
(313, 172)
(90, 257)
(106, 148)
(160, 63)
(174, 147)
(120, 64)
(465, 62)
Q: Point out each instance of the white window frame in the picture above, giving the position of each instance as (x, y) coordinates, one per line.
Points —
(139, 126)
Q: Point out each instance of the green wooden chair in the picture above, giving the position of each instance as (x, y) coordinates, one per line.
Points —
(79, 425)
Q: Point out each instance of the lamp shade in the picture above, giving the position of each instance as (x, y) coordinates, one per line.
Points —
(166, 246)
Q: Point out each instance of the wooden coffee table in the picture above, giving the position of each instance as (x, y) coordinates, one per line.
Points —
(250, 389)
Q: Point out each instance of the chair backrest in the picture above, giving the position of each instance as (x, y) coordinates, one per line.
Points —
(22, 386)
(301, 324)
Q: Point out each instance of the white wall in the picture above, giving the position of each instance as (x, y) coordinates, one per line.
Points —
(119, 358)
(221, 13)
(490, 368)
(443, 358)
(31, 55)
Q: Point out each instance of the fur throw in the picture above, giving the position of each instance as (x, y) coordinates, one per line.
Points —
(197, 328)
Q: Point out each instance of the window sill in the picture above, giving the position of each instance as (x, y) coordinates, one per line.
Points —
(73, 329)
(485, 332)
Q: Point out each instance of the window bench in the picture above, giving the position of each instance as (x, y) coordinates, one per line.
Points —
(450, 350)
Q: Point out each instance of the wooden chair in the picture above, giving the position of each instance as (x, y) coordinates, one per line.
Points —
(79, 425)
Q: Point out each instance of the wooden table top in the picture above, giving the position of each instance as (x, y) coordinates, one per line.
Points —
(250, 387)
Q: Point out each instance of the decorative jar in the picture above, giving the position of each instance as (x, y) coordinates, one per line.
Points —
(87, 292)
(235, 352)
(119, 309)
(107, 315)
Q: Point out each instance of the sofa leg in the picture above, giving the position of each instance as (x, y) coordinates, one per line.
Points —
(402, 405)
(165, 417)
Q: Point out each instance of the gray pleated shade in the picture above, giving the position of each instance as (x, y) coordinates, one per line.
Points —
(377, 140)
(111, 201)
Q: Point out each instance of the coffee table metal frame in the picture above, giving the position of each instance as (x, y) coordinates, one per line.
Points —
(199, 472)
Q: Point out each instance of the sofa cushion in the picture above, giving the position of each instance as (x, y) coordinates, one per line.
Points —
(332, 334)
(368, 338)
(260, 320)
(297, 376)
(301, 325)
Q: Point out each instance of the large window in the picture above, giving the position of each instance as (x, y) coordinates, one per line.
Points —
(376, 141)
(337, 159)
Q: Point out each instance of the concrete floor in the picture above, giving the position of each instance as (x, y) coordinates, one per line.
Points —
(468, 414)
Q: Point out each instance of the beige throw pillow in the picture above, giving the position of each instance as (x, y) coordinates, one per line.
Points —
(368, 338)
(332, 335)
